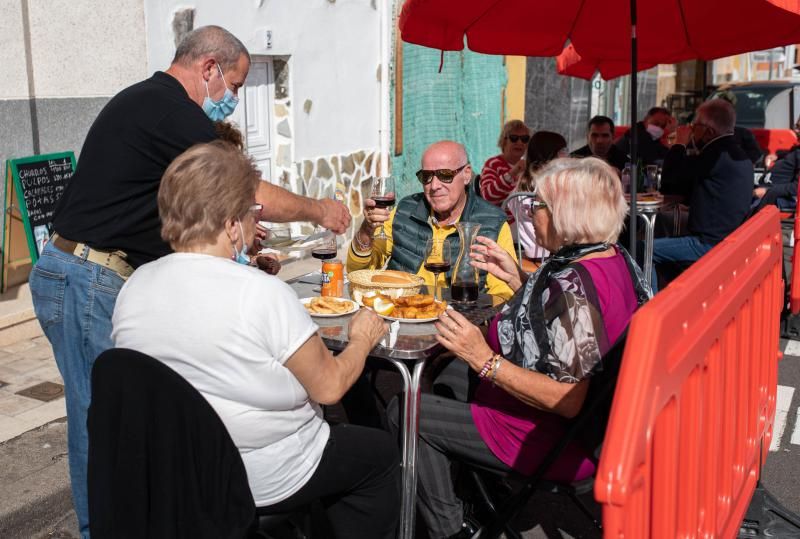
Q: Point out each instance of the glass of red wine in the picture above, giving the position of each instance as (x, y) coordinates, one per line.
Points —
(437, 260)
(382, 194)
(325, 248)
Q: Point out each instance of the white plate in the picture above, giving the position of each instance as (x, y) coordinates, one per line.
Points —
(412, 320)
(305, 301)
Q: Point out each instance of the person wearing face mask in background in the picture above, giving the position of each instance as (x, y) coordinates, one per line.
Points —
(106, 223)
(657, 123)
(248, 345)
(717, 182)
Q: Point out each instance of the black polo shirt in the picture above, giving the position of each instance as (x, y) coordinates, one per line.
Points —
(110, 202)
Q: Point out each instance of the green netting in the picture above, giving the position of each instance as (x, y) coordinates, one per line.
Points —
(462, 103)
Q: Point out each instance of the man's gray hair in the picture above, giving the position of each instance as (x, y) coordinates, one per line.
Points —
(213, 41)
(719, 114)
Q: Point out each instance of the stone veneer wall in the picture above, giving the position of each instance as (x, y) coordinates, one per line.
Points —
(348, 177)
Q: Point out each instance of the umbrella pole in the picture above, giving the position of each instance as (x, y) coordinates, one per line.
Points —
(634, 137)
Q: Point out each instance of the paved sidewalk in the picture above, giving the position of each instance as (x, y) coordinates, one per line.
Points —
(24, 365)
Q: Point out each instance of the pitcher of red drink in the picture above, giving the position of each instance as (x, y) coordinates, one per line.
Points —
(464, 283)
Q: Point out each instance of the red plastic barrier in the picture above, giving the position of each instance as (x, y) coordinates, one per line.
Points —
(794, 280)
(772, 140)
(692, 416)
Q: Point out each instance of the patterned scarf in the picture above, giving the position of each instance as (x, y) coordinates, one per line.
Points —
(523, 317)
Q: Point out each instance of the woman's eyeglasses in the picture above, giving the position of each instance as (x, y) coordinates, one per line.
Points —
(535, 205)
(445, 175)
(517, 138)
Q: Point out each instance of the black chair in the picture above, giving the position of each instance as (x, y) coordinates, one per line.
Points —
(476, 181)
(588, 427)
(161, 462)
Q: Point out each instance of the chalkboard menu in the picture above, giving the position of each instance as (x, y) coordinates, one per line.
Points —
(41, 183)
(34, 186)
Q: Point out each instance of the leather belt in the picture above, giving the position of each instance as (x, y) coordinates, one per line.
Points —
(113, 260)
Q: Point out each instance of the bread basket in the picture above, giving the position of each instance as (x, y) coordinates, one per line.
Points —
(361, 283)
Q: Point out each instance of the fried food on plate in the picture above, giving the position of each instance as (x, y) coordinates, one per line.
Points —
(328, 305)
(369, 299)
(419, 307)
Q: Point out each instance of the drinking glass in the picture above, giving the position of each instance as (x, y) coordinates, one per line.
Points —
(382, 193)
(437, 260)
(651, 172)
(324, 249)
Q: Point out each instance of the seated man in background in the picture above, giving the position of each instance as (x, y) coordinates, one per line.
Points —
(656, 123)
(782, 189)
(600, 137)
(445, 174)
(718, 183)
(742, 135)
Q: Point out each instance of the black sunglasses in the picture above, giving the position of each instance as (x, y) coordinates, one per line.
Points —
(445, 175)
(516, 138)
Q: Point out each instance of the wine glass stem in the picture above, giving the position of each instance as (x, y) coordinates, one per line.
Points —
(436, 287)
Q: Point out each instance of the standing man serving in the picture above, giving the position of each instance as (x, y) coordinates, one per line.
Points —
(107, 222)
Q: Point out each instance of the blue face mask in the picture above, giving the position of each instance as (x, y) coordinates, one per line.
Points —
(241, 257)
(219, 110)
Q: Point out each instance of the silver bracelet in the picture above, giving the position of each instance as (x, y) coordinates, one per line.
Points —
(360, 247)
(496, 369)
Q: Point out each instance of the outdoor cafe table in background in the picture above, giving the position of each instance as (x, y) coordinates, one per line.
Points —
(649, 207)
(415, 344)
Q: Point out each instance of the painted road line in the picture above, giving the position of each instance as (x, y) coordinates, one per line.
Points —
(792, 348)
(785, 394)
(796, 432)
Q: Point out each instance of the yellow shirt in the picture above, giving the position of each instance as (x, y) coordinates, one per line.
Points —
(382, 251)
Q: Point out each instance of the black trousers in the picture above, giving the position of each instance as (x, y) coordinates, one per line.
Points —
(447, 433)
(358, 482)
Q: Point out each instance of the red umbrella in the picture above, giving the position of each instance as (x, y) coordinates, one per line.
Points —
(572, 64)
(639, 31)
(669, 31)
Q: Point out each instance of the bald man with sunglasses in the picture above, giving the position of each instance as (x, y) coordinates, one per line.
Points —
(433, 213)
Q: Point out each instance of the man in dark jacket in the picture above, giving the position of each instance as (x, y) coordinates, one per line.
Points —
(742, 135)
(782, 191)
(718, 183)
(656, 123)
(600, 138)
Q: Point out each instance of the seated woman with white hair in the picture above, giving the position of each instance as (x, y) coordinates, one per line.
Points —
(246, 343)
(535, 363)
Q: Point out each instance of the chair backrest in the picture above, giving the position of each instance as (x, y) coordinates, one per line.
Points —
(161, 462)
(589, 426)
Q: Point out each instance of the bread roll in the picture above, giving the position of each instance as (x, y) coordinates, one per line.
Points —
(393, 277)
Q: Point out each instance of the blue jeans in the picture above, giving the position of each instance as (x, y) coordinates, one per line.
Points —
(74, 300)
(683, 249)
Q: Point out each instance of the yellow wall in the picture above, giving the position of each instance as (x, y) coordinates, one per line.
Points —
(515, 90)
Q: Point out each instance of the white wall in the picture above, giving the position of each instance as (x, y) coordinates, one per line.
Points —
(78, 48)
(14, 84)
(333, 50)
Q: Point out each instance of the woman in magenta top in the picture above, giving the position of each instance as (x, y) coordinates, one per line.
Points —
(535, 363)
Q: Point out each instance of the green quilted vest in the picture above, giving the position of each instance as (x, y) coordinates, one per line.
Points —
(412, 227)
